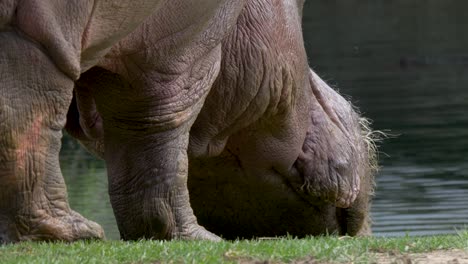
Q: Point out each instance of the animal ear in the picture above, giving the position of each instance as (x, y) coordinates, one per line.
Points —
(327, 167)
(327, 173)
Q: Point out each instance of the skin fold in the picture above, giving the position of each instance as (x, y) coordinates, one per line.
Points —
(275, 150)
(206, 114)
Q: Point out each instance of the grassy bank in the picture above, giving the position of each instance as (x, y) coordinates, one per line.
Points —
(311, 250)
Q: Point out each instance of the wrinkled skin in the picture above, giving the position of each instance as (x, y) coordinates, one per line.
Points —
(209, 97)
(275, 150)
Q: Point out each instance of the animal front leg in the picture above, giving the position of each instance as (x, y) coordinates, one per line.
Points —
(146, 157)
(148, 188)
(34, 97)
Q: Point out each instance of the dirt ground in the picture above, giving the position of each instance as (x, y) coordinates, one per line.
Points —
(443, 256)
(435, 257)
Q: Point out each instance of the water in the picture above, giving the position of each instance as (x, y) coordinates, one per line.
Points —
(404, 64)
(86, 179)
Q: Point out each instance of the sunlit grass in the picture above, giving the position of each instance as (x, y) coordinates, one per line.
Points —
(356, 250)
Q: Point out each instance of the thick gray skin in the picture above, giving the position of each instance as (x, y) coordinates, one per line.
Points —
(148, 90)
(274, 150)
(44, 48)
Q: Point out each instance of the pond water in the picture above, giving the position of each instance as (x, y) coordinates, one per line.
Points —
(405, 65)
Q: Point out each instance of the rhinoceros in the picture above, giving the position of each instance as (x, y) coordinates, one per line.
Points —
(206, 113)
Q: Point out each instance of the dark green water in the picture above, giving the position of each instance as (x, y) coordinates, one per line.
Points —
(405, 65)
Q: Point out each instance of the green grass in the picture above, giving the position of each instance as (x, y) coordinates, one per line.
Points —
(356, 250)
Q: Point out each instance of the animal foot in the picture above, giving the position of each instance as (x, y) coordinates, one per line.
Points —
(200, 233)
(65, 226)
